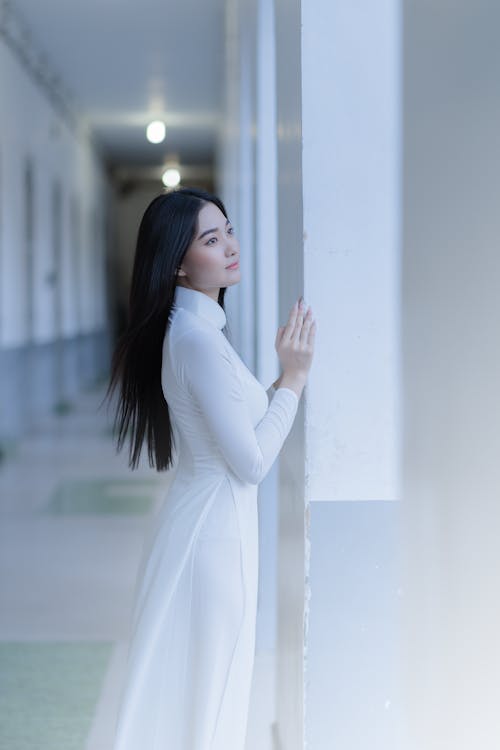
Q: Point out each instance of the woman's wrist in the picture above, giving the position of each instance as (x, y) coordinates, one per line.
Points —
(294, 381)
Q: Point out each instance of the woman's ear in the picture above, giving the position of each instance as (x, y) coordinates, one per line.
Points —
(180, 272)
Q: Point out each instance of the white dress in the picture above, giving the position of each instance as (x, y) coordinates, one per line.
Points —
(191, 652)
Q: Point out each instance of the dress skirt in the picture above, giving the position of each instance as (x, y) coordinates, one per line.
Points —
(191, 652)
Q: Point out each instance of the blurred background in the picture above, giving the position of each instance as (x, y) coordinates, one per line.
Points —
(356, 146)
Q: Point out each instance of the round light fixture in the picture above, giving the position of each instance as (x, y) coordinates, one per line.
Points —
(155, 132)
(171, 177)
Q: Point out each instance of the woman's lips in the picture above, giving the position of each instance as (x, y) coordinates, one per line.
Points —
(234, 265)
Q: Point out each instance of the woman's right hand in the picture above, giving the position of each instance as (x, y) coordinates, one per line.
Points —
(295, 342)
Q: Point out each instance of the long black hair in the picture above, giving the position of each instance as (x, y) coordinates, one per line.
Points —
(166, 230)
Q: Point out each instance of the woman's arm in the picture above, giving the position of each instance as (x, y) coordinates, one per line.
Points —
(295, 383)
(207, 370)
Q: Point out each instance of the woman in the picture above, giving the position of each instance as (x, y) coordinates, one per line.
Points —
(186, 390)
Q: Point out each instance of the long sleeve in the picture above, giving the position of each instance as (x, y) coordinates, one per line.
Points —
(206, 368)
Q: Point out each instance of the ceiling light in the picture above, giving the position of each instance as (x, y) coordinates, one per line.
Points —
(171, 177)
(155, 131)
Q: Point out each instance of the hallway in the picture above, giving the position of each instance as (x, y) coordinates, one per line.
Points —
(73, 517)
(356, 149)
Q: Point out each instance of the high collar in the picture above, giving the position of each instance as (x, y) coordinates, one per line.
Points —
(200, 304)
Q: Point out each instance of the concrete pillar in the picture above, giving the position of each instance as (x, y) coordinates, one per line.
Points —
(338, 170)
(291, 551)
(236, 166)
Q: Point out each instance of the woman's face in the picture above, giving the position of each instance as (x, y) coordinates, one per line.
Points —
(206, 263)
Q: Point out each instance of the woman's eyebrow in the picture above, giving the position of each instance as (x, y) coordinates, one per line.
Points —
(215, 229)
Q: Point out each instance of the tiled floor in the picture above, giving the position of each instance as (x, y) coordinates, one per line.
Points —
(72, 520)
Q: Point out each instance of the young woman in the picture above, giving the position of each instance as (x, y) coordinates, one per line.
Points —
(185, 389)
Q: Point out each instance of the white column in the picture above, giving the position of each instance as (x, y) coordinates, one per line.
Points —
(236, 166)
(338, 180)
(266, 230)
(291, 584)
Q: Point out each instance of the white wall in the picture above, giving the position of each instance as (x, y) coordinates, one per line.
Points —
(350, 126)
(451, 365)
(31, 127)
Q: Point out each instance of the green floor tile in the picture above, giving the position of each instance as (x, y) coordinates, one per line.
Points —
(49, 693)
(103, 496)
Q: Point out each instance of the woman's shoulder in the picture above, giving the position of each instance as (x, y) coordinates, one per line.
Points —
(195, 347)
(189, 329)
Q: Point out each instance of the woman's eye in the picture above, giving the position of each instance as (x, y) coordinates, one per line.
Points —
(230, 229)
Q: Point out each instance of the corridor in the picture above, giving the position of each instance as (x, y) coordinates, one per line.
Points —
(356, 149)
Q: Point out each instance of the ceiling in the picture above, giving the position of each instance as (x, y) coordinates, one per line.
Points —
(125, 62)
